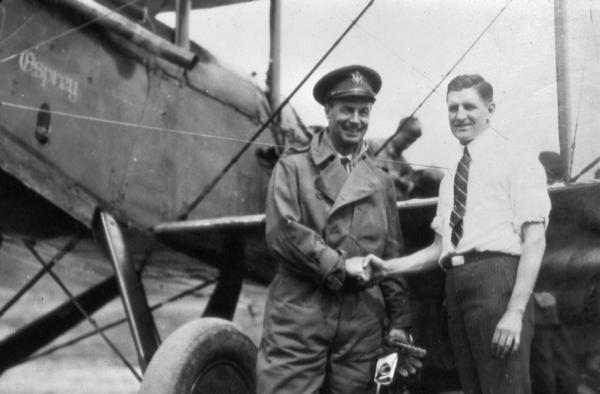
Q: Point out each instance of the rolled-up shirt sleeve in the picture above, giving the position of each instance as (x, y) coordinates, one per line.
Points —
(301, 249)
(528, 192)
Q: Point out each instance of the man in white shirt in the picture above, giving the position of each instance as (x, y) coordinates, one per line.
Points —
(490, 238)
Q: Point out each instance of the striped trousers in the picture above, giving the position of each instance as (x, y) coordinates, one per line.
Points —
(477, 294)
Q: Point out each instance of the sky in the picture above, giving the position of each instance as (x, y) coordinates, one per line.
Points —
(413, 44)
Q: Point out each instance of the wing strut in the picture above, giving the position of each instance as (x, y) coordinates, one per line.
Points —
(565, 131)
(182, 25)
(135, 303)
(210, 186)
(224, 298)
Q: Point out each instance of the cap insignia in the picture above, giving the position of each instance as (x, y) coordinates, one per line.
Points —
(357, 78)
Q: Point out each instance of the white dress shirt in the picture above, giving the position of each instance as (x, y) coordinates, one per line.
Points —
(506, 188)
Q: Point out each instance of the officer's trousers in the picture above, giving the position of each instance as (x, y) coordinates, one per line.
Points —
(317, 341)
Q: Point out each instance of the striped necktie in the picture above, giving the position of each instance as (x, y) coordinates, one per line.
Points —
(461, 180)
(346, 163)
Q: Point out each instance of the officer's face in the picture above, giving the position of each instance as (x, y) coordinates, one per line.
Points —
(348, 122)
(468, 114)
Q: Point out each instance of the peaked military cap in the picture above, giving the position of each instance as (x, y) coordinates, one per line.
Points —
(349, 81)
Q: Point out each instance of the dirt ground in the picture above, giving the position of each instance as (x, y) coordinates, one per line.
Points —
(90, 366)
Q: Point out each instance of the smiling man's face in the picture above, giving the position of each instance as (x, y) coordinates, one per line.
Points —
(469, 115)
(348, 122)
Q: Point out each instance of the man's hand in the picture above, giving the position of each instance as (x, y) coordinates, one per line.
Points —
(358, 268)
(507, 336)
(377, 267)
(408, 363)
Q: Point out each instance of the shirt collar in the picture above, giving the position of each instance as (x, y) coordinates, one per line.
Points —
(322, 148)
(480, 145)
(340, 156)
(358, 154)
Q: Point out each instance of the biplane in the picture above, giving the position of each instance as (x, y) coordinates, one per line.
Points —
(121, 134)
(104, 114)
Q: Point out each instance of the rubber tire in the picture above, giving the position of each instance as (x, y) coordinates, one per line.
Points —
(207, 355)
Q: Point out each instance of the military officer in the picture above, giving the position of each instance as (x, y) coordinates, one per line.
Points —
(328, 206)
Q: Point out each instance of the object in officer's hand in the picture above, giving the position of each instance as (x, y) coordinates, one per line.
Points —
(385, 370)
(407, 348)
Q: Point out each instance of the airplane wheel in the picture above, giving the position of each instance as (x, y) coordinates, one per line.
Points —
(207, 355)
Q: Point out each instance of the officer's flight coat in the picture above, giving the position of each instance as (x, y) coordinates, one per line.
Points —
(318, 215)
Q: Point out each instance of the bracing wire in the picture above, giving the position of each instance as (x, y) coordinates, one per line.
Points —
(166, 130)
(69, 31)
(460, 59)
(17, 30)
(82, 310)
(35, 278)
(273, 116)
(129, 124)
(115, 323)
(395, 53)
(594, 162)
(407, 163)
(248, 142)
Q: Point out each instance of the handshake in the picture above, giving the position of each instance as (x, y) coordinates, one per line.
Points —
(367, 270)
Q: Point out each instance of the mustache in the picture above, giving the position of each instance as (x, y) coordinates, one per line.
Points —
(354, 127)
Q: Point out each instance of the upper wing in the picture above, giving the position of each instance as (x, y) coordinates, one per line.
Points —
(156, 6)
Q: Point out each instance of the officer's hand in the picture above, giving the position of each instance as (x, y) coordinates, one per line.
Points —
(408, 361)
(377, 265)
(398, 334)
(359, 268)
(507, 336)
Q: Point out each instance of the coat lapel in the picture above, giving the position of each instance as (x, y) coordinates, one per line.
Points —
(332, 174)
(331, 180)
(361, 183)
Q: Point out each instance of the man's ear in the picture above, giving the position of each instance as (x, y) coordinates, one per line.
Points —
(327, 109)
(491, 108)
